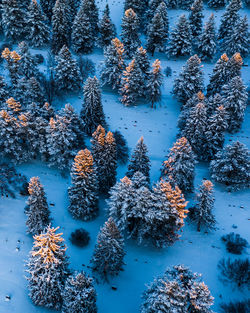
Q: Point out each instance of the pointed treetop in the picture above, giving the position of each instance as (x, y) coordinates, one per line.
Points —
(237, 57)
(99, 135)
(126, 180)
(156, 66)
(110, 138)
(52, 123)
(6, 53)
(83, 163)
(13, 104)
(119, 46)
(208, 184)
(224, 57)
(34, 185)
(130, 13)
(200, 96)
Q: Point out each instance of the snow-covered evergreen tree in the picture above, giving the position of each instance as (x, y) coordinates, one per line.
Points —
(92, 110)
(27, 65)
(207, 40)
(142, 60)
(138, 6)
(190, 80)
(113, 65)
(121, 147)
(178, 290)
(202, 212)
(129, 35)
(82, 36)
(109, 252)
(216, 3)
(38, 33)
(67, 73)
(162, 10)
(107, 29)
(195, 18)
(234, 67)
(179, 167)
(35, 93)
(37, 211)
(47, 7)
(180, 39)
(154, 83)
(83, 195)
(47, 269)
(139, 161)
(235, 97)
(13, 61)
(4, 93)
(79, 294)
(152, 7)
(139, 180)
(231, 166)
(90, 8)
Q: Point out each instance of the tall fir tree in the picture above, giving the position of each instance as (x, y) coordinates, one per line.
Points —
(142, 59)
(139, 161)
(190, 80)
(90, 8)
(154, 83)
(38, 215)
(67, 73)
(231, 166)
(13, 62)
(35, 92)
(47, 269)
(152, 7)
(92, 110)
(195, 18)
(79, 294)
(137, 6)
(113, 65)
(234, 67)
(109, 252)
(107, 29)
(179, 167)
(38, 33)
(129, 35)
(27, 64)
(180, 39)
(47, 7)
(207, 40)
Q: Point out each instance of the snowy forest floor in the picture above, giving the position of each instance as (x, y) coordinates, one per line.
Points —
(200, 251)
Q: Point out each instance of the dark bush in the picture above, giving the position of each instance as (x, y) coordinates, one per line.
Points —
(236, 307)
(80, 237)
(234, 243)
(39, 59)
(121, 146)
(168, 71)
(236, 272)
(87, 67)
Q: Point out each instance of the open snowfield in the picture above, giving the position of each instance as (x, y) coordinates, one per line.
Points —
(200, 251)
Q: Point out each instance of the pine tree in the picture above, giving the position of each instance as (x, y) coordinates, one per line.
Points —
(152, 7)
(142, 60)
(139, 161)
(90, 9)
(113, 65)
(35, 93)
(132, 85)
(60, 27)
(47, 7)
(130, 37)
(79, 294)
(190, 80)
(38, 33)
(137, 6)
(195, 18)
(47, 268)
(106, 28)
(82, 36)
(27, 64)
(218, 76)
(238, 40)
(13, 20)
(216, 3)
(121, 147)
(231, 166)
(92, 110)
(179, 167)
(234, 67)
(38, 211)
(180, 38)
(83, 195)
(13, 61)
(207, 40)
(235, 97)
(67, 73)
(162, 10)
(202, 212)
(109, 252)
(178, 290)
(154, 83)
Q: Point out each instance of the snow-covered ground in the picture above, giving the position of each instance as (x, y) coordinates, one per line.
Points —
(198, 250)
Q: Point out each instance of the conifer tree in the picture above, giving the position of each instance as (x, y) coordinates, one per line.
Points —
(38, 33)
(27, 65)
(216, 3)
(130, 37)
(67, 73)
(137, 6)
(180, 38)
(142, 60)
(152, 7)
(132, 85)
(3, 92)
(178, 290)
(37, 211)
(234, 67)
(90, 8)
(60, 27)
(92, 110)
(121, 147)
(79, 294)
(83, 195)
(231, 166)
(235, 97)
(190, 80)
(109, 252)
(82, 36)
(13, 61)
(35, 93)
(47, 269)
(195, 18)
(13, 20)
(207, 40)
(154, 83)
(162, 10)
(113, 65)
(202, 212)
(139, 161)
(106, 28)
(47, 7)
(179, 167)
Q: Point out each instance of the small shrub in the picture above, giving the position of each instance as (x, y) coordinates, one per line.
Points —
(39, 59)
(80, 237)
(168, 71)
(121, 146)
(234, 243)
(236, 272)
(235, 307)
(87, 67)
